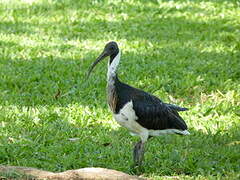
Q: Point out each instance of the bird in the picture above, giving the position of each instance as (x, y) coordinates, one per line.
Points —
(142, 113)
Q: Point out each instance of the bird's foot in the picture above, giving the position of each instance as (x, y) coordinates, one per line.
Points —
(136, 169)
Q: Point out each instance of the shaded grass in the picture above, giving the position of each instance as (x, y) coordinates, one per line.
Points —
(186, 52)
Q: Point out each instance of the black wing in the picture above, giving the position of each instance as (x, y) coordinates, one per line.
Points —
(152, 113)
(157, 116)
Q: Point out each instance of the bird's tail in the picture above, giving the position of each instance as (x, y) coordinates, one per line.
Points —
(176, 108)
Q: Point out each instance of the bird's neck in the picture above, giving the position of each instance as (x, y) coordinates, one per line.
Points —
(112, 67)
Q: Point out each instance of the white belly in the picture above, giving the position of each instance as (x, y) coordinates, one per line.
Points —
(127, 118)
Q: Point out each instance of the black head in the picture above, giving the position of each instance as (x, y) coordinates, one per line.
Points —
(111, 49)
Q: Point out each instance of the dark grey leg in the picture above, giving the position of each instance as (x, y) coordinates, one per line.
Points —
(138, 153)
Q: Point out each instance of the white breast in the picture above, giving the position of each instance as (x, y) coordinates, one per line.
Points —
(127, 118)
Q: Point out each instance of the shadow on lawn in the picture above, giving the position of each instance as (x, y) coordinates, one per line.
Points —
(133, 28)
(47, 146)
(37, 82)
(57, 81)
(198, 154)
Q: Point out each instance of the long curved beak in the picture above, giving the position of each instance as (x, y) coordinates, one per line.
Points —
(101, 57)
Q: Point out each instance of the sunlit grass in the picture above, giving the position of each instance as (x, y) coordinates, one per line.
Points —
(185, 52)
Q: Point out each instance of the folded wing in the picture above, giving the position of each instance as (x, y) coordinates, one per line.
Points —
(153, 114)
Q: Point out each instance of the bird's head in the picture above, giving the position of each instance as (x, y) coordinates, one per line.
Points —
(111, 49)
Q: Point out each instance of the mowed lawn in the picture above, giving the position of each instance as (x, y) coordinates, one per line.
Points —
(185, 52)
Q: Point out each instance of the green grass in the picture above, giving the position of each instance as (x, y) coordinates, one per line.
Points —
(11, 174)
(185, 52)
